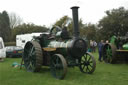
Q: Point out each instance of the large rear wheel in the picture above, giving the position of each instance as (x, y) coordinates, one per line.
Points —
(32, 56)
(109, 51)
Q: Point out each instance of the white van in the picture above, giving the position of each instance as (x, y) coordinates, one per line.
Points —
(2, 50)
(22, 39)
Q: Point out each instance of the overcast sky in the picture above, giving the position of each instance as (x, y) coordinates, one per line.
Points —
(46, 12)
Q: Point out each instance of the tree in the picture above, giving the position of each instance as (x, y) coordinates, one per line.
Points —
(89, 31)
(5, 30)
(61, 21)
(67, 21)
(27, 28)
(115, 23)
(15, 20)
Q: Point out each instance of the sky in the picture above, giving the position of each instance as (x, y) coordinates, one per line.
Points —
(47, 12)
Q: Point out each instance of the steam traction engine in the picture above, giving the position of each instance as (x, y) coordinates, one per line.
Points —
(59, 51)
(117, 50)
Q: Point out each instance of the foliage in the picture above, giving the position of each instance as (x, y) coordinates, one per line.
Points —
(115, 23)
(15, 20)
(70, 26)
(27, 28)
(61, 21)
(89, 31)
(5, 30)
(10, 43)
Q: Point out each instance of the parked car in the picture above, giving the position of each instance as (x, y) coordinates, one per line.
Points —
(14, 51)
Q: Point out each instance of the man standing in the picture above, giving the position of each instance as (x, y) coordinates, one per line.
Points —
(100, 49)
(94, 46)
(91, 45)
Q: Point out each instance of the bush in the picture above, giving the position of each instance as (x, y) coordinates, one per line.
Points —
(10, 43)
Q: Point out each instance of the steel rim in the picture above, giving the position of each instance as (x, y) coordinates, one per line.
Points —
(87, 63)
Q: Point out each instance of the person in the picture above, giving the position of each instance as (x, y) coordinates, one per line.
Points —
(91, 45)
(107, 41)
(94, 46)
(64, 33)
(100, 49)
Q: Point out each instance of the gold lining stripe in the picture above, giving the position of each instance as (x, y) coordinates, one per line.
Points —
(49, 49)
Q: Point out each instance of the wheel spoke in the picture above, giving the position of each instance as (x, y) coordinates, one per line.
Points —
(83, 67)
(90, 61)
(31, 50)
(85, 57)
(87, 69)
(90, 65)
(89, 58)
(29, 66)
(57, 60)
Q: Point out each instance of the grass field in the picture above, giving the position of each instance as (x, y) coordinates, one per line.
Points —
(105, 74)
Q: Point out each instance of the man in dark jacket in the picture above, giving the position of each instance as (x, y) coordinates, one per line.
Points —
(100, 49)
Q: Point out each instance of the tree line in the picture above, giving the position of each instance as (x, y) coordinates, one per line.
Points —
(114, 23)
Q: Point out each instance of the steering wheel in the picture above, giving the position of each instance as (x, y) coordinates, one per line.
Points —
(54, 30)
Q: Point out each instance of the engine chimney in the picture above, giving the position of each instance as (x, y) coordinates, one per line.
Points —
(75, 21)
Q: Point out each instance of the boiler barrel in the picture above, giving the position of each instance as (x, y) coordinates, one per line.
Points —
(75, 48)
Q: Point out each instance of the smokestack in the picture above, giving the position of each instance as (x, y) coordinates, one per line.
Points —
(75, 21)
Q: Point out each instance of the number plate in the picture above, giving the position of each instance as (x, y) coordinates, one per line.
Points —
(19, 51)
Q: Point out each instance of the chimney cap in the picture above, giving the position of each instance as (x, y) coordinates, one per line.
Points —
(75, 7)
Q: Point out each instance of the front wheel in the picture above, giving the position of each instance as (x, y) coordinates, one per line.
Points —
(87, 63)
(58, 66)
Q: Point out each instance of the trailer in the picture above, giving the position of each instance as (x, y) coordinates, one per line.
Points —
(22, 39)
(2, 49)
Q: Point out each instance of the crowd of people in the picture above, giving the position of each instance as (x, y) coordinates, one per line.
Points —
(94, 45)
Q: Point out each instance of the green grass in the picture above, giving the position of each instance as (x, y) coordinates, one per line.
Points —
(105, 74)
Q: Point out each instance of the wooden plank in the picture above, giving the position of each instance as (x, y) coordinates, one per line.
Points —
(49, 49)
